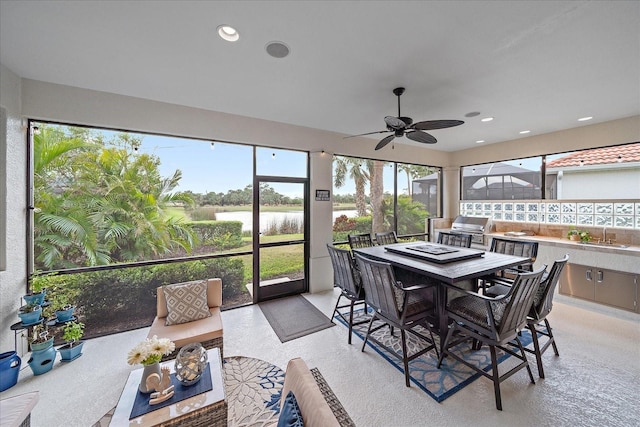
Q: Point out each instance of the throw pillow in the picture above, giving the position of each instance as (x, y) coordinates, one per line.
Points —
(290, 415)
(186, 302)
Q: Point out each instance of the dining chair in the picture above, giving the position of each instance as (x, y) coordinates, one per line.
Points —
(360, 241)
(462, 240)
(386, 238)
(347, 278)
(494, 322)
(454, 239)
(397, 306)
(526, 249)
(542, 304)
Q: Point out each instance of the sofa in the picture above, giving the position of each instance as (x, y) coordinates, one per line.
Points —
(207, 331)
(15, 411)
(317, 404)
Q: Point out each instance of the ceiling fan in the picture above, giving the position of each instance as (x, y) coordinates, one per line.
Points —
(404, 126)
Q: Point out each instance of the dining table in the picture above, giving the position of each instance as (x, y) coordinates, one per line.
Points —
(443, 265)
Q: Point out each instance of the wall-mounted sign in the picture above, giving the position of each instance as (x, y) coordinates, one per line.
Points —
(323, 195)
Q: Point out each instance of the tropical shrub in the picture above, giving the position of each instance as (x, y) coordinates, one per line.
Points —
(221, 234)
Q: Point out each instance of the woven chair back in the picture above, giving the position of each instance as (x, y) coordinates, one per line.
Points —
(453, 239)
(345, 276)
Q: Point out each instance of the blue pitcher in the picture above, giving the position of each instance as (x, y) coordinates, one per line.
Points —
(9, 369)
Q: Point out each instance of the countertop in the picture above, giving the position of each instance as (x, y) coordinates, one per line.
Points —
(566, 243)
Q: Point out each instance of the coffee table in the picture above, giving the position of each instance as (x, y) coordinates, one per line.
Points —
(208, 408)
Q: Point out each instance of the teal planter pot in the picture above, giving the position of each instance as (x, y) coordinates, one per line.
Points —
(69, 354)
(42, 345)
(41, 361)
(30, 318)
(64, 315)
(9, 369)
(35, 298)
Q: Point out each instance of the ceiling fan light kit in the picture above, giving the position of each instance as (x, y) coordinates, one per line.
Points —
(403, 126)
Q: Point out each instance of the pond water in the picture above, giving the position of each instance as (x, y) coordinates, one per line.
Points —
(269, 218)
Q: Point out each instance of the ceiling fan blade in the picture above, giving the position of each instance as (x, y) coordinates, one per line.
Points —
(419, 136)
(436, 124)
(384, 141)
(363, 134)
(395, 122)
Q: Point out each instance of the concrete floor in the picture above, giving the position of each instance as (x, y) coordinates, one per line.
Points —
(594, 382)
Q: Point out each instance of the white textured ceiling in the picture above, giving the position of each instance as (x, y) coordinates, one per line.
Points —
(537, 65)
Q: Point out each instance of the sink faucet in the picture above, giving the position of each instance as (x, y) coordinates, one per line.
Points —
(604, 234)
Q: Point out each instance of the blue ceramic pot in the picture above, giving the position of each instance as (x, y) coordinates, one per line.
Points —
(41, 361)
(35, 298)
(31, 317)
(42, 345)
(64, 315)
(70, 354)
(9, 369)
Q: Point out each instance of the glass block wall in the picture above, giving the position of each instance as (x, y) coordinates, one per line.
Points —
(618, 214)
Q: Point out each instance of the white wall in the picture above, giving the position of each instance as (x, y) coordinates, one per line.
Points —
(13, 155)
(600, 184)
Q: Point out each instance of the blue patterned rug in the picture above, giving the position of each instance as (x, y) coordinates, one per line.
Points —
(253, 388)
(452, 375)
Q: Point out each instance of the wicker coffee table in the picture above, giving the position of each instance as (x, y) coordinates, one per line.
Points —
(206, 409)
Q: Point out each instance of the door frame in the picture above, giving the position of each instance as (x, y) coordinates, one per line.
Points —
(288, 288)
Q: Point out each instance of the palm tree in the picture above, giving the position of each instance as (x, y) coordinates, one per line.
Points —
(354, 168)
(96, 204)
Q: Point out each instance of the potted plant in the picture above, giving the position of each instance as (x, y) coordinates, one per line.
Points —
(37, 288)
(61, 305)
(30, 314)
(43, 355)
(573, 234)
(72, 332)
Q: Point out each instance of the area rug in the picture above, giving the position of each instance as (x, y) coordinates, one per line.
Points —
(294, 317)
(441, 383)
(253, 388)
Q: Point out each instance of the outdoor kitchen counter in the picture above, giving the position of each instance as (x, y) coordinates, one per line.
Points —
(602, 256)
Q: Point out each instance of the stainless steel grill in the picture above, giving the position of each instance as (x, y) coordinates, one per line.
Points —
(476, 226)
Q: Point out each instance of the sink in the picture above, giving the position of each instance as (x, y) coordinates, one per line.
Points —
(605, 245)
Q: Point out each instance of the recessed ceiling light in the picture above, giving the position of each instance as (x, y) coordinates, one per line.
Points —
(472, 114)
(486, 119)
(228, 33)
(524, 131)
(480, 141)
(584, 119)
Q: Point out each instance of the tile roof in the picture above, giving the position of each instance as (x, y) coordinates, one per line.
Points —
(599, 156)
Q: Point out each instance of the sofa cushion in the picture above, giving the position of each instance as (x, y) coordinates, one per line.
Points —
(214, 296)
(314, 408)
(185, 333)
(290, 415)
(186, 302)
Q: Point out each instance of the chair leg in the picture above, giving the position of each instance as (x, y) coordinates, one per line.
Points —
(536, 348)
(524, 359)
(366, 337)
(405, 358)
(495, 377)
(553, 341)
(335, 309)
(350, 320)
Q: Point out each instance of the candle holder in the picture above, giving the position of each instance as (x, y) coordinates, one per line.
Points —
(190, 363)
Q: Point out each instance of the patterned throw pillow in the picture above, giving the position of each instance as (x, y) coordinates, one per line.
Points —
(186, 302)
(290, 416)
